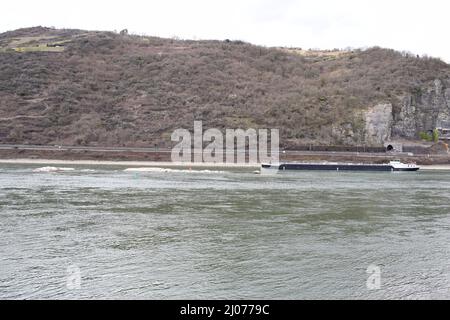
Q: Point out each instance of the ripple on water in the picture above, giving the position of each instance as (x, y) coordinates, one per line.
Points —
(170, 234)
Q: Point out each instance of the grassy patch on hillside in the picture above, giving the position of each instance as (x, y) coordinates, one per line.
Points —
(34, 44)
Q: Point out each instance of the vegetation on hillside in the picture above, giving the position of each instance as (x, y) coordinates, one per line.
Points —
(105, 88)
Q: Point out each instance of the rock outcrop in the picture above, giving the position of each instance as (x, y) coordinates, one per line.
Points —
(423, 110)
(379, 120)
(439, 148)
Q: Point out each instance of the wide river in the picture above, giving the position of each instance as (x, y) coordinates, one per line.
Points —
(102, 232)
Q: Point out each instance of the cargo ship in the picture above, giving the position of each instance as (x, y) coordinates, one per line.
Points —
(330, 166)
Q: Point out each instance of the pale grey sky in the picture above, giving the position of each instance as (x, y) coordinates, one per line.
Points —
(412, 25)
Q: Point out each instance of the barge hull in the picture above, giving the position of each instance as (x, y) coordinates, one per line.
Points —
(336, 167)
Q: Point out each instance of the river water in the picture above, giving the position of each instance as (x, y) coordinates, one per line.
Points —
(102, 232)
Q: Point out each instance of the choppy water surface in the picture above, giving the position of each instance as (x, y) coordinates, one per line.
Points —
(180, 234)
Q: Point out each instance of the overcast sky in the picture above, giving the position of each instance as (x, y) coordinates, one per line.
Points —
(421, 27)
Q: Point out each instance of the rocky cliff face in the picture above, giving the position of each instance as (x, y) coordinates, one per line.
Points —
(379, 121)
(424, 109)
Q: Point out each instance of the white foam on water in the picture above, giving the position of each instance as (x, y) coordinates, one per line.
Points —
(53, 169)
(166, 170)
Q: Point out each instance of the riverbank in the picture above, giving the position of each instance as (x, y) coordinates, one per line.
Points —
(435, 167)
(163, 164)
(158, 157)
